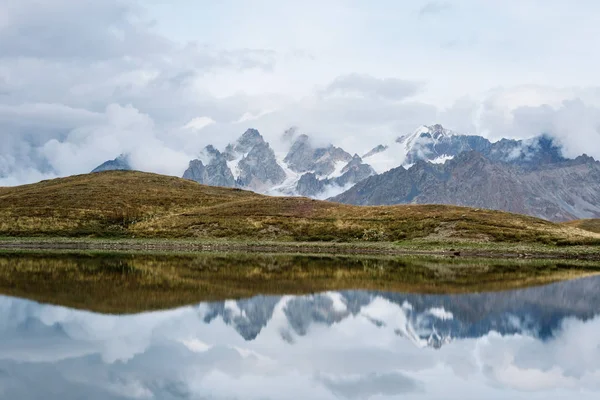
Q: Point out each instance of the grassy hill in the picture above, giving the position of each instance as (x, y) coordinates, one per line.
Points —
(592, 225)
(143, 205)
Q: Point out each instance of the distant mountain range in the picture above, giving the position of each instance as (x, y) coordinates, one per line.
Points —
(431, 165)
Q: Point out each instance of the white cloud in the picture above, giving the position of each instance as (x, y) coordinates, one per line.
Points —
(365, 85)
(357, 75)
(199, 123)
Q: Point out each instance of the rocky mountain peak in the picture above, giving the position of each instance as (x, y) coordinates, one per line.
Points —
(210, 149)
(248, 140)
(209, 155)
(210, 168)
(303, 157)
(355, 162)
(435, 132)
(290, 134)
(530, 153)
(259, 170)
(121, 163)
(375, 150)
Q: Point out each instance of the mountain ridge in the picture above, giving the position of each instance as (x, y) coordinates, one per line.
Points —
(566, 191)
(536, 178)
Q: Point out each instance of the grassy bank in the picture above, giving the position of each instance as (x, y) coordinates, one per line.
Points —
(410, 247)
(118, 283)
(121, 204)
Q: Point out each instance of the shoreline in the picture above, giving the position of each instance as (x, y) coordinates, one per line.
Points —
(413, 248)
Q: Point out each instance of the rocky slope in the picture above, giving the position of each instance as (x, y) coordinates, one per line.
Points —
(558, 191)
(120, 163)
(305, 169)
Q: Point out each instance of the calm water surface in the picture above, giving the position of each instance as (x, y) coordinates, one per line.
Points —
(537, 343)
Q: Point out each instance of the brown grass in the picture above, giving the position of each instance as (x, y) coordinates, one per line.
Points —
(592, 225)
(142, 205)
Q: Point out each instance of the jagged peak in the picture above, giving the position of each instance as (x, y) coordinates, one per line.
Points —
(303, 138)
(375, 150)
(123, 157)
(208, 155)
(248, 140)
(250, 133)
(290, 134)
(435, 132)
(121, 162)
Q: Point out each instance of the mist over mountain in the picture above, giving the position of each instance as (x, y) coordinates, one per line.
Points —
(430, 165)
(91, 81)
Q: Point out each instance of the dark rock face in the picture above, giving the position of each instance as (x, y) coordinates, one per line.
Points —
(309, 185)
(120, 163)
(244, 144)
(530, 154)
(375, 150)
(355, 171)
(259, 169)
(434, 141)
(215, 173)
(303, 157)
(566, 190)
(196, 172)
(300, 156)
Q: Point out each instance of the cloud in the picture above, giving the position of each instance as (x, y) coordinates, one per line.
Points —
(434, 8)
(365, 85)
(65, 63)
(199, 123)
(366, 387)
(72, 72)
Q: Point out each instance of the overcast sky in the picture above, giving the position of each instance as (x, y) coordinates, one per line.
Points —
(82, 81)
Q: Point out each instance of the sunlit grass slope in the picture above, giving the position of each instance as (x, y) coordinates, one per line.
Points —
(143, 205)
(592, 225)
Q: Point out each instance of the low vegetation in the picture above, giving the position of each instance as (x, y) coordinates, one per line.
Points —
(118, 283)
(121, 204)
(592, 225)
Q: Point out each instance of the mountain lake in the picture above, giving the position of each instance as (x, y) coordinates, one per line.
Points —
(139, 326)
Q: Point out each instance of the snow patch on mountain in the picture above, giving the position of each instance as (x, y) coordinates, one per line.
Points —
(441, 159)
(234, 165)
(421, 144)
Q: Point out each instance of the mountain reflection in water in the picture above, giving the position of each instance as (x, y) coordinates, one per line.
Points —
(540, 342)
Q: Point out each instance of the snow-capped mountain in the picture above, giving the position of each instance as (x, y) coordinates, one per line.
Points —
(430, 165)
(434, 144)
(305, 169)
